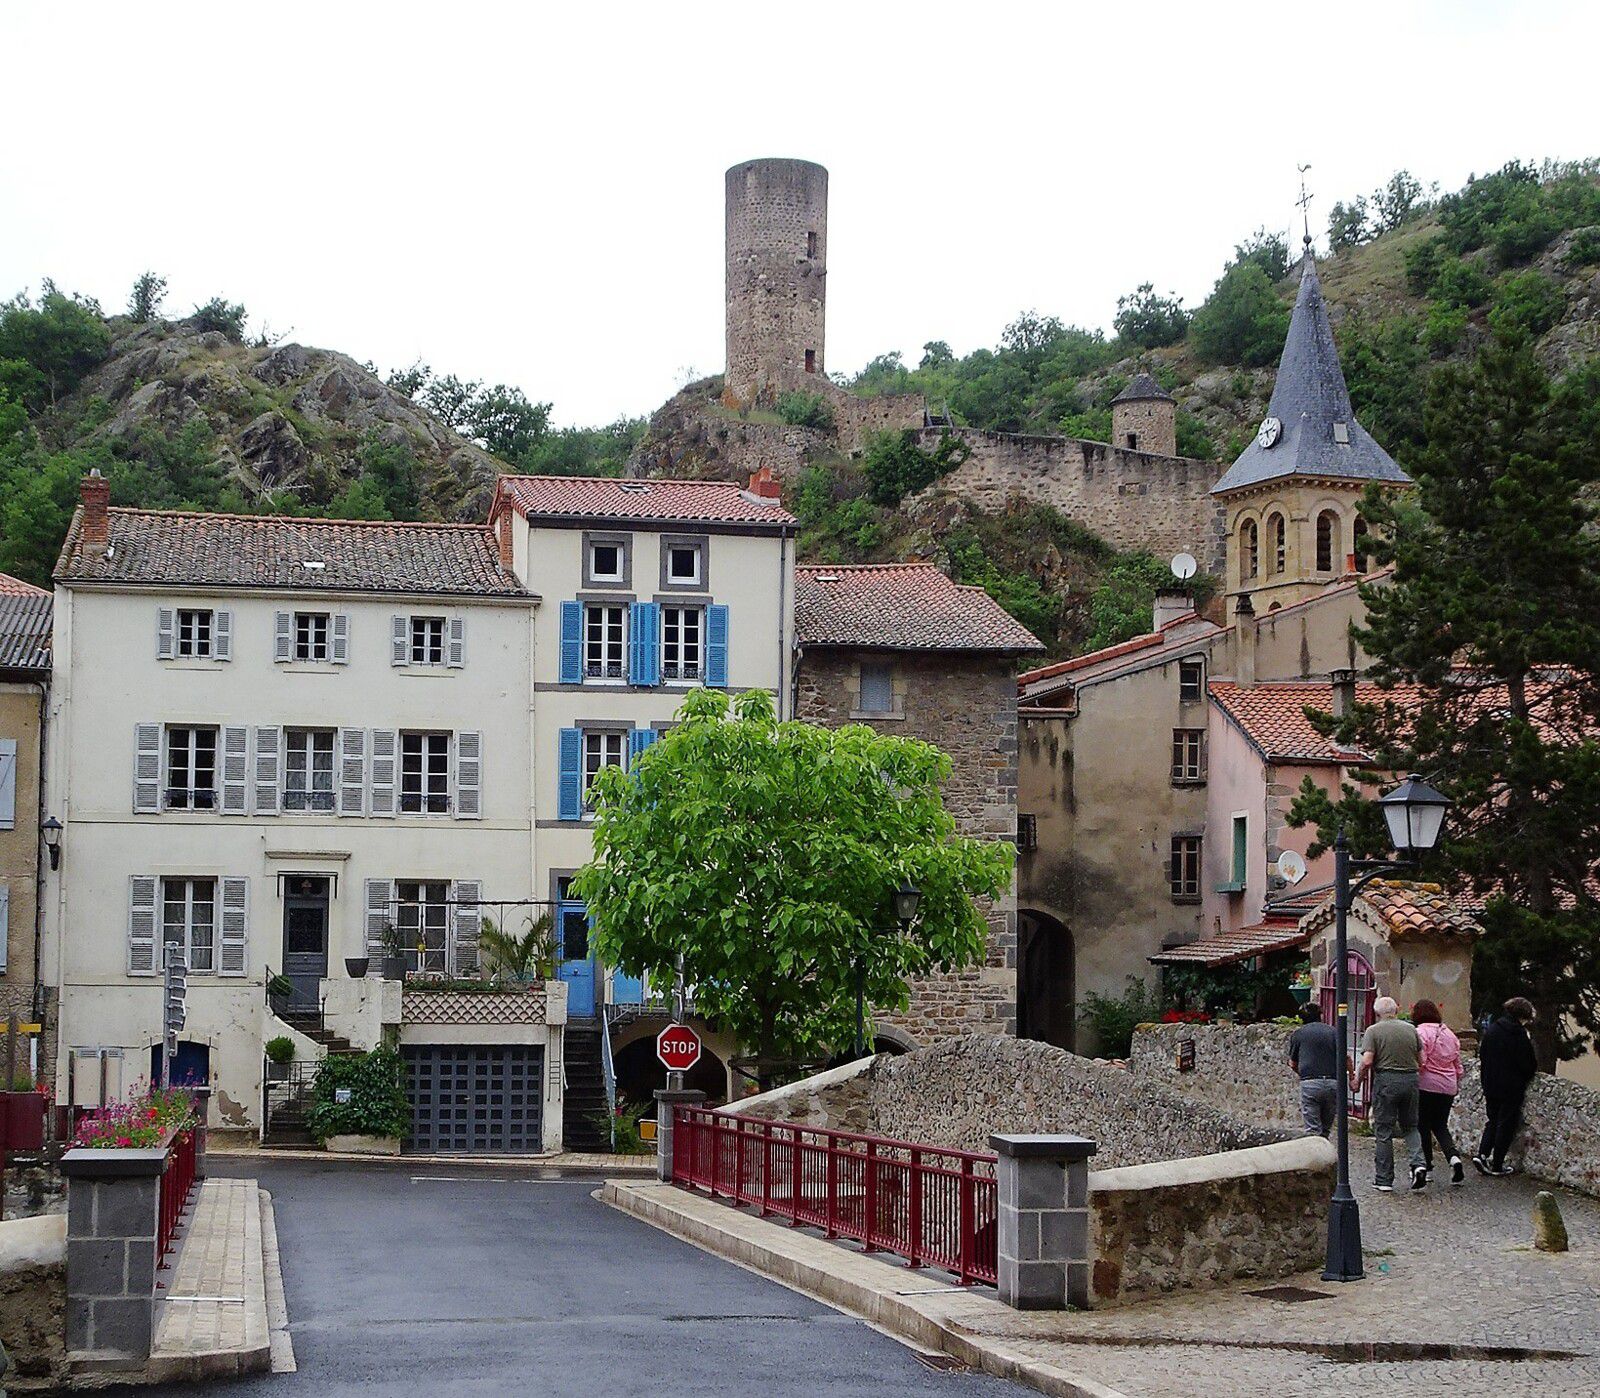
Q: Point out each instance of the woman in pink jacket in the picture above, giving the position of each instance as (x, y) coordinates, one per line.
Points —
(1438, 1079)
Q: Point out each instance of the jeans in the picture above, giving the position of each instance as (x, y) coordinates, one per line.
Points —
(1394, 1102)
(1505, 1116)
(1433, 1112)
(1319, 1105)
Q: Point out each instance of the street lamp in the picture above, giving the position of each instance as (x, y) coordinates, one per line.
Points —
(1414, 813)
(907, 898)
(52, 840)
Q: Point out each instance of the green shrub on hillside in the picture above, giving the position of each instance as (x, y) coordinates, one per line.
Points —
(1243, 321)
(1150, 321)
(896, 466)
(1122, 606)
(806, 410)
(47, 349)
(1527, 302)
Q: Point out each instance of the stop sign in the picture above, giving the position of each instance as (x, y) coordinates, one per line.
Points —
(678, 1046)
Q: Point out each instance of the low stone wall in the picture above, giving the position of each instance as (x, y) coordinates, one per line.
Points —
(1240, 1069)
(1184, 1225)
(1560, 1136)
(33, 1302)
(960, 1092)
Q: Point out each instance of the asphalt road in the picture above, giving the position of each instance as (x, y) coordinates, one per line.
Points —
(407, 1279)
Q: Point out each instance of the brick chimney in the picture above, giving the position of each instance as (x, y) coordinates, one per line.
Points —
(503, 538)
(764, 485)
(95, 528)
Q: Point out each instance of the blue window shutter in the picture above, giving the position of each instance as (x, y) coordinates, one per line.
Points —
(638, 740)
(571, 643)
(717, 647)
(569, 800)
(644, 660)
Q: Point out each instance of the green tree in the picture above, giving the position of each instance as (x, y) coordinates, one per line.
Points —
(144, 301)
(1268, 251)
(506, 422)
(765, 854)
(47, 349)
(1150, 321)
(224, 316)
(936, 355)
(1347, 224)
(1493, 615)
(1399, 201)
(1122, 606)
(806, 410)
(1243, 321)
(391, 470)
(896, 466)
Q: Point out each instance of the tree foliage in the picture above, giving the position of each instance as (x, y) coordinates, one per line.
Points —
(1150, 321)
(223, 316)
(46, 349)
(764, 854)
(1243, 321)
(144, 301)
(897, 466)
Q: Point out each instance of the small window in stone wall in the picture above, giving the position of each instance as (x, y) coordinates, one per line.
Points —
(1133, 441)
(811, 250)
(877, 689)
(1027, 832)
(811, 361)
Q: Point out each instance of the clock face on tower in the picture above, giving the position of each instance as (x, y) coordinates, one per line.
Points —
(1271, 430)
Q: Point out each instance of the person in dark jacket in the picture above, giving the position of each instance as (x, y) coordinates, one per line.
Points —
(1506, 1064)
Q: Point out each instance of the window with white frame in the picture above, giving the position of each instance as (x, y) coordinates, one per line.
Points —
(189, 921)
(684, 564)
(196, 632)
(191, 783)
(311, 636)
(425, 773)
(427, 640)
(422, 916)
(681, 655)
(606, 560)
(1191, 681)
(602, 747)
(308, 769)
(603, 640)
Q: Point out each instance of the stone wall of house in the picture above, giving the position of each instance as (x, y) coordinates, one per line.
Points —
(1133, 499)
(1182, 1225)
(958, 1092)
(966, 705)
(33, 1302)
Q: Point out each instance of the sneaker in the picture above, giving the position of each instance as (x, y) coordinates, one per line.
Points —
(1419, 1178)
(1384, 1188)
(1505, 1170)
(1457, 1173)
(1482, 1166)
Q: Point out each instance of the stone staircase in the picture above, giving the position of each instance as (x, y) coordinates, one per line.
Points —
(584, 1105)
(287, 1102)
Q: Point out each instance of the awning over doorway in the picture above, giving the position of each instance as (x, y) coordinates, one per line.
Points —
(1244, 944)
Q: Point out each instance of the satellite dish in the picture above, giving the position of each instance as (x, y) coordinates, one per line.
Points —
(1184, 567)
(1291, 867)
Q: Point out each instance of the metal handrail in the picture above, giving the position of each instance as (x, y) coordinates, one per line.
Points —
(609, 1070)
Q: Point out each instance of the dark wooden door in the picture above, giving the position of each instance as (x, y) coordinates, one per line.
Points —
(305, 940)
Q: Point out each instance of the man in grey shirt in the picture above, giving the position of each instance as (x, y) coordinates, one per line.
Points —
(1391, 1054)
(1314, 1056)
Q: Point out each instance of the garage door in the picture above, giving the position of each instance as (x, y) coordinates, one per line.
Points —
(474, 1097)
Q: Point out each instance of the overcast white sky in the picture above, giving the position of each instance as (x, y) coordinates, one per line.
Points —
(533, 195)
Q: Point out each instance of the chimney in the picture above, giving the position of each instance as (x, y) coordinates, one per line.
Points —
(1344, 692)
(1172, 603)
(95, 528)
(503, 538)
(1244, 631)
(764, 485)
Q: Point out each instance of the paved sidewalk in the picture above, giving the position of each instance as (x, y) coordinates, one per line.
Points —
(211, 1315)
(1455, 1301)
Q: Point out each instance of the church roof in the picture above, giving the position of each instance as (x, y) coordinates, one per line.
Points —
(1143, 386)
(1320, 435)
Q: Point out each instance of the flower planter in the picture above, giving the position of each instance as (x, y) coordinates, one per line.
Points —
(394, 967)
(277, 1072)
(1301, 993)
(356, 966)
(363, 1145)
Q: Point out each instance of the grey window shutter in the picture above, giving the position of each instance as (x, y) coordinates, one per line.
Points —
(399, 639)
(456, 649)
(269, 743)
(282, 637)
(5, 922)
(222, 635)
(233, 945)
(468, 921)
(468, 804)
(341, 638)
(146, 768)
(8, 783)
(385, 756)
(378, 913)
(142, 893)
(352, 771)
(235, 771)
(166, 633)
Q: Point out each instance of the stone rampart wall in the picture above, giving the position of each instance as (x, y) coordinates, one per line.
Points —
(33, 1302)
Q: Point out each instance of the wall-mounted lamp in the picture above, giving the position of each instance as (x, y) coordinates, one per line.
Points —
(52, 840)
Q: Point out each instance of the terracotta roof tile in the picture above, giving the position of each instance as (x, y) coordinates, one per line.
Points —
(901, 606)
(1273, 716)
(656, 501)
(15, 587)
(1242, 944)
(1083, 662)
(177, 548)
(1409, 909)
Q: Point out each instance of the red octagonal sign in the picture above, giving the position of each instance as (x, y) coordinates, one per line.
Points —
(678, 1046)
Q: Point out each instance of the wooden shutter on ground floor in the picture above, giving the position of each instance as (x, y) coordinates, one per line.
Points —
(143, 892)
(233, 945)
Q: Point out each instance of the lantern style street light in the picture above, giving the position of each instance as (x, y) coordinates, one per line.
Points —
(1414, 813)
(907, 898)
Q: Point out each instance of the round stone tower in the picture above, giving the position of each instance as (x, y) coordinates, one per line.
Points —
(1144, 417)
(777, 253)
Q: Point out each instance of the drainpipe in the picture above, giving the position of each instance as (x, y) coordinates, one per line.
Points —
(783, 594)
(41, 857)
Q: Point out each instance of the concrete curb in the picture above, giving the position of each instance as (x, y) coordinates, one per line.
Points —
(280, 1343)
(914, 1306)
(573, 1161)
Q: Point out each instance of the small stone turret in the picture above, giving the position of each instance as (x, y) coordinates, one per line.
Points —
(1144, 417)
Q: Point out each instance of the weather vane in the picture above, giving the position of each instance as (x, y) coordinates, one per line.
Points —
(1304, 201)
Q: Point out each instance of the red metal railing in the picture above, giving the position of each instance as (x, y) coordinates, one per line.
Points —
(177, 1180)
(932, 1206)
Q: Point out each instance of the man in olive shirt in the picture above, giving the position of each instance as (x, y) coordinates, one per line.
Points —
(1390, 1057)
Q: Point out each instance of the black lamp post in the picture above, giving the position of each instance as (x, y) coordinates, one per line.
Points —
(1414, 813)
(907, 898)
(52, 840)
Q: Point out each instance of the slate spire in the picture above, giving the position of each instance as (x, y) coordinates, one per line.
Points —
(1316, 432)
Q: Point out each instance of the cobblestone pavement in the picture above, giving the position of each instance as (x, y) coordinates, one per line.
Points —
(213, 1297)
(1446, 1267)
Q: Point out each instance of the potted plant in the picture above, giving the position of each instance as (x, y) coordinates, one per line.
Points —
(356, 966)
(279, 989)
(280, 1054)
(358, 1104)
(394, 954)
(524, 960)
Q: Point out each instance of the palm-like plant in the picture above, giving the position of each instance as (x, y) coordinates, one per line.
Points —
(526, 958)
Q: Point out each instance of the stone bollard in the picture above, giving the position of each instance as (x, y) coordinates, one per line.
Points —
(1549, 1229)
(113, 1204)
(1043, 1222)
(666, 1100)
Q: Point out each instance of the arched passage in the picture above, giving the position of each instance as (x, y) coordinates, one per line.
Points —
(640, 1074)
(1046, 996)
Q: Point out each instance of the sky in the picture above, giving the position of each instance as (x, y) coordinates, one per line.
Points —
(532, 194)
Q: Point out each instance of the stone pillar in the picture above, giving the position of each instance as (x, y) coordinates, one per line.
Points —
(666, 1100)
(1043, 1220)
(113, 1203)
(202, 1113)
